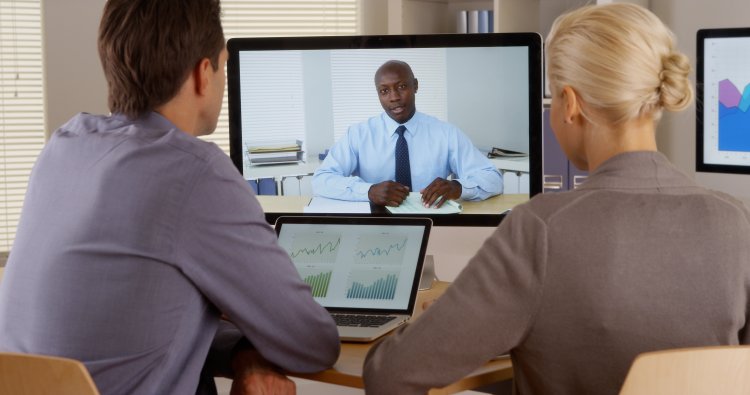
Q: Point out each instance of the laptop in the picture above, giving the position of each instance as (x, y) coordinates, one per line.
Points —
(364, 270)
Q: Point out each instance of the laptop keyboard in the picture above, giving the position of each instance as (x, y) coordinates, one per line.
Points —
(360, 320)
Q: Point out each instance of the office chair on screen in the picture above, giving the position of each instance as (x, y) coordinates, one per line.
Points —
(691, 371)
(26, 374)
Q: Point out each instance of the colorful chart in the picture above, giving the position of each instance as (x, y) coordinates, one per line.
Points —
(318, 280)
(372, 285)
(734, 117)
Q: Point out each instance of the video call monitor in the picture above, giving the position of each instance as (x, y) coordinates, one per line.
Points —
(723, 101)
(291, 98)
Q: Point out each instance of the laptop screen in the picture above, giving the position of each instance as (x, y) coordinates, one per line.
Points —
(357, 263)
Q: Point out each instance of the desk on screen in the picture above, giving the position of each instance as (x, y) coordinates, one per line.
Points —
(494, 205)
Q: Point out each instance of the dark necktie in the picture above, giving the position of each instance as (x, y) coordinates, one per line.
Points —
(403, 170)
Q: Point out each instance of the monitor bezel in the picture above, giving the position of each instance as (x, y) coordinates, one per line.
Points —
(536, 92)
(701, 36)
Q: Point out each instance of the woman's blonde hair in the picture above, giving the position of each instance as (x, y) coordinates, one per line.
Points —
(621, 60)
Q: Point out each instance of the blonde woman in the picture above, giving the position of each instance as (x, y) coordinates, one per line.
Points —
(574, 285)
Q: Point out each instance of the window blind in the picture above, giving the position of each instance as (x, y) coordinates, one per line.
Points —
(21, 107)
(283, 87)
(272, 18)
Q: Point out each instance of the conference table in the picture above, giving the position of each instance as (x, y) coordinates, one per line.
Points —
(348, 369)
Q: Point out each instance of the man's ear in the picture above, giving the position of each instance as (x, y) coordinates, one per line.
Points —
(416, 85)
(202, 75)
(571, 103)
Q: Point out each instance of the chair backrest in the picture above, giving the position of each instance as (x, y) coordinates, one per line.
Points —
(691, 371)
(26, 374)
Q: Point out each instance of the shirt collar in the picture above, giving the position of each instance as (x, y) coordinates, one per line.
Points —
(152, 120)
(636, 169)
(412, 125)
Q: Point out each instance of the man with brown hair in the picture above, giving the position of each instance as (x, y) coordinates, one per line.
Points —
(136, 236)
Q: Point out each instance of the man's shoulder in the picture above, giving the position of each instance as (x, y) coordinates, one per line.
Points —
(156, 137)
(367, 127)
(371, 123)
(435, 124)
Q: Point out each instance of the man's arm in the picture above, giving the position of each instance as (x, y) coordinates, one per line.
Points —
(232, 255)
(254, 375)
(334, 179)
(233, 357)
(478, 177)
(484, 313)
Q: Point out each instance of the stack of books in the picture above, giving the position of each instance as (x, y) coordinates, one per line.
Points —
(275, 153)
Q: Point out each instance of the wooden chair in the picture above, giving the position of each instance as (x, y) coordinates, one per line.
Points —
(691, 371)
(26, 374)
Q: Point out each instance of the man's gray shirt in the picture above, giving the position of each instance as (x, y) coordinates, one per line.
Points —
(135, 237)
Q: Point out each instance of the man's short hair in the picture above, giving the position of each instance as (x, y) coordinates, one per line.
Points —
(391, 65)
(149, 47)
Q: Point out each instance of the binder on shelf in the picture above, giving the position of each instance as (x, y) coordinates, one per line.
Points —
(462, 22)
(267, 186)
(484, 20)
(473, 21)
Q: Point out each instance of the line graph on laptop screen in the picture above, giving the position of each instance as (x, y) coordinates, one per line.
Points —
(319, 247)
(381, 249)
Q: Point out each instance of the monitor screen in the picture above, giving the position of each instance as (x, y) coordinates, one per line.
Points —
(292, 98)
(723, 101)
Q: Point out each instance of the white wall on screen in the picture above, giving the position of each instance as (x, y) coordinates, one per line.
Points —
(487, 96)
(318, 98)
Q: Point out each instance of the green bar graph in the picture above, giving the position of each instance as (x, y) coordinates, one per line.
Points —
(319, 283)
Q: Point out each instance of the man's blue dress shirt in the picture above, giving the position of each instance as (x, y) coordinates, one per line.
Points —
(366, 156)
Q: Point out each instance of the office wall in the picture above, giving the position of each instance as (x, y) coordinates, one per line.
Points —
(483, 90)
(73, 78)
(676, 133)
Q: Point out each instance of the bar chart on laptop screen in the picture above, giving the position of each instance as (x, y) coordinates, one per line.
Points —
(372, 284)
(318, 278)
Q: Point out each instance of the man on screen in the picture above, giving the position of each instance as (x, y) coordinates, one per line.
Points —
(402, 150)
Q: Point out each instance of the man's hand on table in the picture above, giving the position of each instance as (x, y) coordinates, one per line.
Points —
(440, 191)
(388, 193)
